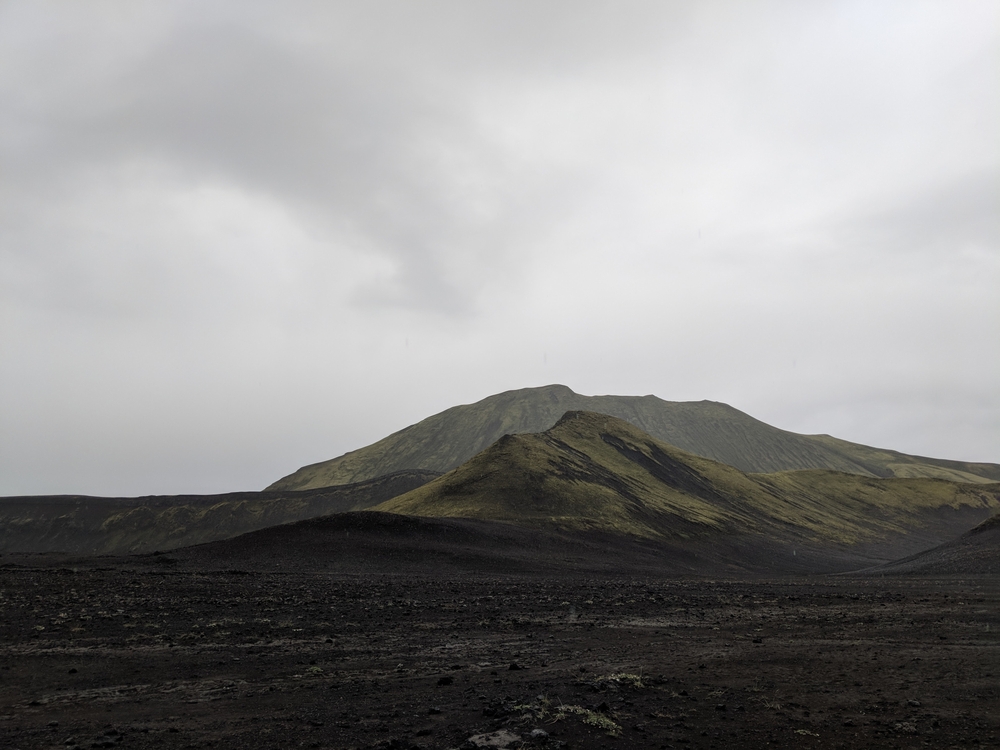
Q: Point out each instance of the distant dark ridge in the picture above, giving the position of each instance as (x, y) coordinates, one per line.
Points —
(706, 428)
(83, 525)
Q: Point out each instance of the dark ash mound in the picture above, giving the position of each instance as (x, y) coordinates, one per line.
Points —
(975, 553)
(368, 542)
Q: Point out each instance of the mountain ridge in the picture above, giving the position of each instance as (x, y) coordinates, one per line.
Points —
(709, 429)
(593, 472)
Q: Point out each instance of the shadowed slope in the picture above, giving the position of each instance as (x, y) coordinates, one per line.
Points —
(977, 552)
(595, 472)
(369, 542)
(705, 428)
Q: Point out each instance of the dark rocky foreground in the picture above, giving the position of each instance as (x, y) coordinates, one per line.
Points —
(139, 653)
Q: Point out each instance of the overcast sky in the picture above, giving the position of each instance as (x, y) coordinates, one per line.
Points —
(236, 238)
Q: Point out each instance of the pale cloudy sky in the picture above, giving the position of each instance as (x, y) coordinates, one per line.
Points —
(239, 237)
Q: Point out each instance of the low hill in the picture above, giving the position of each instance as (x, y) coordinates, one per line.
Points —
(706, 428)
(80, 525)
(370, 542)
(977, 552)
(592, 472)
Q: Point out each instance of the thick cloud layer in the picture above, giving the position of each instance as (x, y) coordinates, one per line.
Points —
(240, 237)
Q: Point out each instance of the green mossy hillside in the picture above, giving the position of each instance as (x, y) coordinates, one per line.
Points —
(593, 471)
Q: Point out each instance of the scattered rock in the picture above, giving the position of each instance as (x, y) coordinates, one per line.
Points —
(446, 680)
(396, 744)
(499, 739)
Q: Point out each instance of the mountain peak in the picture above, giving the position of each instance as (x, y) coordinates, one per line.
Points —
(705, 428)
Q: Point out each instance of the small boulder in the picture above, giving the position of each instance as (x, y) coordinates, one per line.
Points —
(499, 739)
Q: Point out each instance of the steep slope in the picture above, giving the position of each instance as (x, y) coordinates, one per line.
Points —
(74, 524)
(705, 428)
(595, 472)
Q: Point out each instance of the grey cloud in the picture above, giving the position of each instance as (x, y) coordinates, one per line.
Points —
(950, 218)
(355, 146)
(328, 219)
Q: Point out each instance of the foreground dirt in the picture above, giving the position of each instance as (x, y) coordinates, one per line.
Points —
(152, 656)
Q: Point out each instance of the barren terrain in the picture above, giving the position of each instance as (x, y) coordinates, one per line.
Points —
(145, 652)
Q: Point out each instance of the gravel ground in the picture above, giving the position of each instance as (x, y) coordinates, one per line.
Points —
(144, 656)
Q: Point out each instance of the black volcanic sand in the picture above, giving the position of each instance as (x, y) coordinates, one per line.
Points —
(139, 653)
